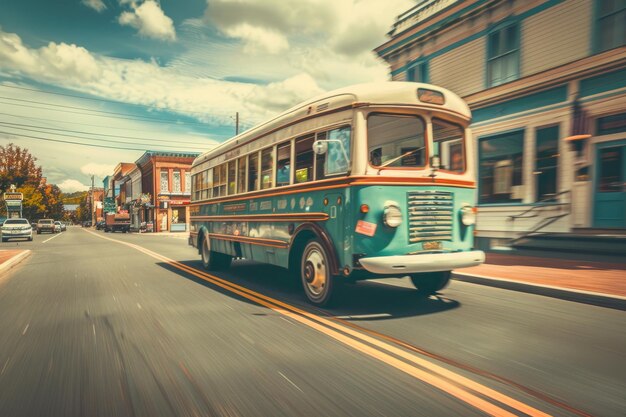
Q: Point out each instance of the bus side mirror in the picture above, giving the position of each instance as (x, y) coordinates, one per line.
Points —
(320, 147)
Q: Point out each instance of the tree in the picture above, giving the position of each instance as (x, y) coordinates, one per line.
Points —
(52, 201)
(17, 166)
(32, 204)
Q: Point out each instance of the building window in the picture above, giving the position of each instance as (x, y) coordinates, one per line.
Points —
(418, 72)
(165, 182)
(176, 181)
(500, 170)
(547, 158)
(503, 55)
(187, 182)
(610, 28)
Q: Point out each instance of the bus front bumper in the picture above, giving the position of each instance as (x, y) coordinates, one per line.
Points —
(431, 262)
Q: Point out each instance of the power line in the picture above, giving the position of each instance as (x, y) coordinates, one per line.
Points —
(95, 111)
(80, 143)
(68, 122)
(83, 137)
(99, 99)
(171, 142)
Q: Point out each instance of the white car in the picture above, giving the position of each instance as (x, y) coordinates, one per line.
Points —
(16, 229)
(58, 227)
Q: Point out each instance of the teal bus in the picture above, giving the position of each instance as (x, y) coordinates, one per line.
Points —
(370, 181)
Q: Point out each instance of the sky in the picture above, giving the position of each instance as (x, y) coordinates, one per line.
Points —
(129, 76)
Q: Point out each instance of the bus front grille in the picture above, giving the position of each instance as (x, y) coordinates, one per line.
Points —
(430, 215)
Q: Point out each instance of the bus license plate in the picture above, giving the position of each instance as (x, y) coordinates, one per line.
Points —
(436, 245)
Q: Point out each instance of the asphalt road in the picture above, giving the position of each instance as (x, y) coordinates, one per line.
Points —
(96, 324)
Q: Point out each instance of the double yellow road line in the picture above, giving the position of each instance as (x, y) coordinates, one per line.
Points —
(481, 397)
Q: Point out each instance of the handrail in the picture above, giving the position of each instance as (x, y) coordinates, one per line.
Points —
(543, 200)
(546, 221)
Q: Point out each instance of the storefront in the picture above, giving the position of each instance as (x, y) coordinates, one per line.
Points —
(179, 215)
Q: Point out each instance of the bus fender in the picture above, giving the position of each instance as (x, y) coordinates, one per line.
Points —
(303, 234)
(201, 234)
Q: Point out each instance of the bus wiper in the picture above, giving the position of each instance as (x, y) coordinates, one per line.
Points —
(391, 161)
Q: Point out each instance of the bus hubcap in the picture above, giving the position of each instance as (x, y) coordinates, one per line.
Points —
(315, 272)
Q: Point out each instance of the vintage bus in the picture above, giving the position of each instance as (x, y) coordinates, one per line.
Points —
(374, 180)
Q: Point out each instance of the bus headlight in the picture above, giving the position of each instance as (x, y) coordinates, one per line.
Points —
(392, 216)
(468, 215)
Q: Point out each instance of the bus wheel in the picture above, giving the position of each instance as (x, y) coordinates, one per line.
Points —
(211, 260)
(317, 280)
(429, 283)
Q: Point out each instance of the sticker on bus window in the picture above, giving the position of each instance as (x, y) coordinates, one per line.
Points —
(365, 228)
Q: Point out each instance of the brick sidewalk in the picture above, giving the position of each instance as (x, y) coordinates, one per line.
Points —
(601, 277)
(5, 255)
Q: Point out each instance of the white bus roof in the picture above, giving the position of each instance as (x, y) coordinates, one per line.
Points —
(391, 93)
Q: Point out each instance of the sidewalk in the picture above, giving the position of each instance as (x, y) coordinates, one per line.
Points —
(599, 283)
(11, 257)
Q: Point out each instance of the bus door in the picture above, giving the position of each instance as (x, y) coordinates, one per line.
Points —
(333, 206)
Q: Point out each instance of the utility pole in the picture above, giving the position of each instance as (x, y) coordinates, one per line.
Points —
(93, 204)
(236, 123)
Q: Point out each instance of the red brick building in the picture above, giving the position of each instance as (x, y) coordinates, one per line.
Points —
(166, 189)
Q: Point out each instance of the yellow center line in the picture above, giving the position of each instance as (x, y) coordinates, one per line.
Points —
(326, 326)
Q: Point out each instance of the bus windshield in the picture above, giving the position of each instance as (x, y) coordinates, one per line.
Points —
(396, 141)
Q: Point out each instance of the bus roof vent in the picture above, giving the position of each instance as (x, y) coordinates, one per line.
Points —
(322, 107)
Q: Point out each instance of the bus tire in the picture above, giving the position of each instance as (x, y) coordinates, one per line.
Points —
(211, 260)
(428, 283)
(317, 279)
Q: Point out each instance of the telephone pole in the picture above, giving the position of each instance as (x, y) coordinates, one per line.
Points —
(93, 203)
(236, 123)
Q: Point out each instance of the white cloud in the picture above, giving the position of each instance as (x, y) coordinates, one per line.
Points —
(258, 39)
(348, 27)
(97, 5)
(71, 186)
(99, 170)
(49, 62)
(150, 21)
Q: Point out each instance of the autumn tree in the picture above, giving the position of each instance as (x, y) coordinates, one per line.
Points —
(32, 204)
(18, 166)
(52, 201)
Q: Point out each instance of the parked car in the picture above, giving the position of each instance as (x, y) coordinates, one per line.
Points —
(57, 227)
(45, 225)
(100, 225)
(16, 228)
(86, 223)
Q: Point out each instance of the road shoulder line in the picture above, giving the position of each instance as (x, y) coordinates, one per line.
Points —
(569, 294)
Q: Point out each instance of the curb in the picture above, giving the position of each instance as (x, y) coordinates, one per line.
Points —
(586, 297)
(6, 265)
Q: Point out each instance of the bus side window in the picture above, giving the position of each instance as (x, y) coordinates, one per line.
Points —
(283, 169)
(304, 159)
(241, 175)
(267, 165)
(334, 161)
(207, 184)
(232, 171)
(219, 181)
(253, 172)
(448, 144)
(320, 160)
